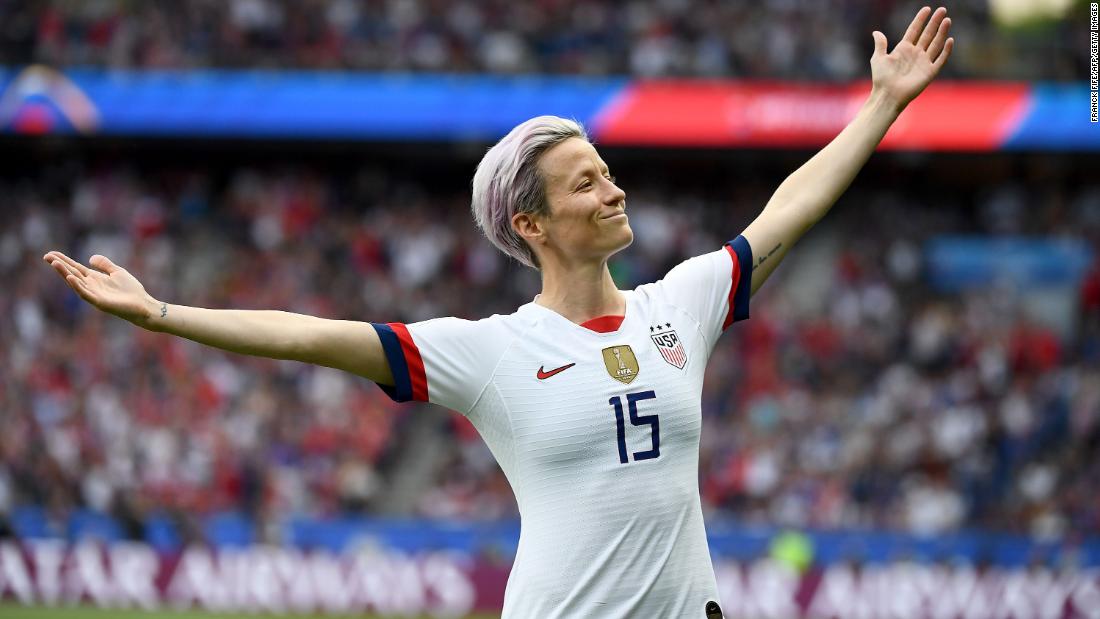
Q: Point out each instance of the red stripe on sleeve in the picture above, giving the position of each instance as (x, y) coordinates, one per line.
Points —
(733, 286)
(417, 376)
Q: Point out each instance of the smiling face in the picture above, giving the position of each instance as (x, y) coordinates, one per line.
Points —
(587, 218)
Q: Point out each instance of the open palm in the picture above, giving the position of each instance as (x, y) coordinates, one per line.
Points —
(916, 60)
(107, 286)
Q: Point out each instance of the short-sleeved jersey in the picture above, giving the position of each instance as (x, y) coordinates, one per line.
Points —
(597, 432)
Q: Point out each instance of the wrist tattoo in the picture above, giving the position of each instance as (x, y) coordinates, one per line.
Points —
(163, 310)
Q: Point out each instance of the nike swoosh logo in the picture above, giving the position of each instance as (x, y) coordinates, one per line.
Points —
(544, 375)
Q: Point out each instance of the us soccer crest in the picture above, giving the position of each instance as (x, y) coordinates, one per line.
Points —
(621, 363)
(670, 347)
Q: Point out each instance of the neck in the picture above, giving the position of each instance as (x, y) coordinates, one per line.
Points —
(581, 292)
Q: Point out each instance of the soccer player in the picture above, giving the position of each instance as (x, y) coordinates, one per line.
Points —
(588, 396)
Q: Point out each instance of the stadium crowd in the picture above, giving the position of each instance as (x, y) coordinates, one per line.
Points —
(865, 400)
(771, 39)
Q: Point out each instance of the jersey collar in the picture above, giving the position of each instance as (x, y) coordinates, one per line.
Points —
(601, 325)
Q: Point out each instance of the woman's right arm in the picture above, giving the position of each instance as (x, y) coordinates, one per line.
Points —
(342, 344)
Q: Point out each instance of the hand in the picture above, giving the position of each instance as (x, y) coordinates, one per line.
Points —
(902, 74)
(107, 286)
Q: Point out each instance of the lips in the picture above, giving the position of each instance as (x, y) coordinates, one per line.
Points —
(622, 213)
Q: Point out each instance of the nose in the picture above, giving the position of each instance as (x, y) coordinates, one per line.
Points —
(615, 195)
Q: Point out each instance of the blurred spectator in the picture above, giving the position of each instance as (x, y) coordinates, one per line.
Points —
(856, 395)
(774, 39)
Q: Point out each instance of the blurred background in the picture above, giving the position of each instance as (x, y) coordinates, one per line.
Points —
(908, 425)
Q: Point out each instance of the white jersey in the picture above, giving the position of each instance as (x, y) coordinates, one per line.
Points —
(597, 430)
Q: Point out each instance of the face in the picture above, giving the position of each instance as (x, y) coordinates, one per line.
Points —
(587, 209)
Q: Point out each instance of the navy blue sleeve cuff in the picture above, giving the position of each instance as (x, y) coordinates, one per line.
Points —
(401, 391)
(741, 295)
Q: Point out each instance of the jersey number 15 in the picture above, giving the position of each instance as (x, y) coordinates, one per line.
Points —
(632, 400)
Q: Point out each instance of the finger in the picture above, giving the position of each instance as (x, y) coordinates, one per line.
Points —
(79, 287)
(80, 268)
(913, 33)
(941, 38)
(931, 28)
(64, 269)
(939, 62)
(103, 263)
(880, 43)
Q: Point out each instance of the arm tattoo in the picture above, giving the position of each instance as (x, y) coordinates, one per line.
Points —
(163, 310)
(761, 259)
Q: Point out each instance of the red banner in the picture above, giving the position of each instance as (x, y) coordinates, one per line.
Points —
(975, 116)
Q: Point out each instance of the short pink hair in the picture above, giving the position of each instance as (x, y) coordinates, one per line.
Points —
(507, 181)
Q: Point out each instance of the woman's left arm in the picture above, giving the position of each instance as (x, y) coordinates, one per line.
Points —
(807, 194)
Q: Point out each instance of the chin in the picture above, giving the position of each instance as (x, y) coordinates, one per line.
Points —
(625, 241)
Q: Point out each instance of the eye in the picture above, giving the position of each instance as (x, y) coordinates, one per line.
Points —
(610, 178)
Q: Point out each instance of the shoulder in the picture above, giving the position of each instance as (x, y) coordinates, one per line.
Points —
(441, 360)
(690, 276)
(713, 288)
(487, 334)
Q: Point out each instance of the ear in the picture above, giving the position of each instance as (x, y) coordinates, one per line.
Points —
(529, 227)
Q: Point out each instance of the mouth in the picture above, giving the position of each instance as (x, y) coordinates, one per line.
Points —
(615, 216)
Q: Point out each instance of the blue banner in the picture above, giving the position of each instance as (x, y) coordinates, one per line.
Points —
(956, 263)
(289, 104)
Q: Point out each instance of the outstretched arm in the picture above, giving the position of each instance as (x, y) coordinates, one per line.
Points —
(807, 194)
(341, 344)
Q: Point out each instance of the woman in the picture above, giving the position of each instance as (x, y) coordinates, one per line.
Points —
(589, 396)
